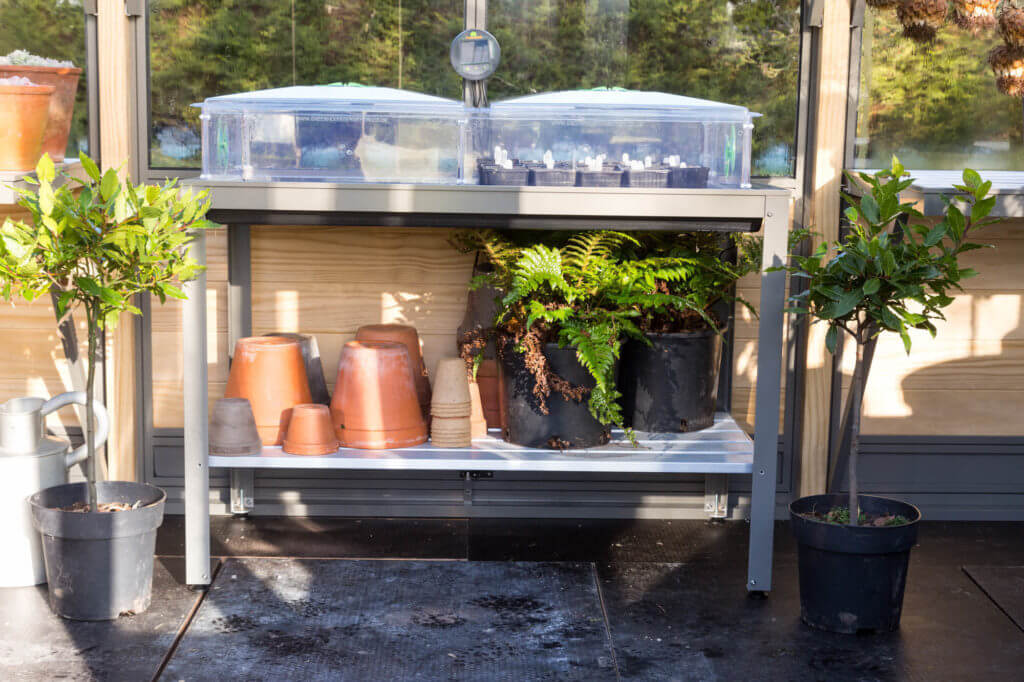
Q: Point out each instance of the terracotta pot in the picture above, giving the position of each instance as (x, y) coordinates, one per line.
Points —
(314, 368)
(476, 415)
(310, 431)
(233, 429)
(374, 405)
(23, 116)
(64, 80)
(451, 389)
(490, 392)
(407, 336)
(451, 432)
(269, 371)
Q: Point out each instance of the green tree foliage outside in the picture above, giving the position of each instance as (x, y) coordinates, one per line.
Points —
(54, 29)
(935, 106)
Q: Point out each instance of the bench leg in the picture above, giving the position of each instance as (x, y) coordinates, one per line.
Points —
(769, 385)
(197, 473)
(240, 326)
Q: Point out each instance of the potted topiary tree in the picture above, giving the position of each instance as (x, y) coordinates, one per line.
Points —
(96, 248)
(883, 277)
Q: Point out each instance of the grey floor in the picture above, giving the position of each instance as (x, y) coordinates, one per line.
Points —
(378, 599)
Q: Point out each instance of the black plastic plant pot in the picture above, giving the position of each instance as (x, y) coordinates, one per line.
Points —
(98, 565)
(852, 577)
(552, 177)
(691, 177)
(648, 177)
(671, 385)
(568, 424)
(504, 176)
(600, 178)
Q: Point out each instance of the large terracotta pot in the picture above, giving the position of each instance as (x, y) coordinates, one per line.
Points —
(408, 337)
(269, 371)
(314, 369)
(310, 431)
(374, 406)
(23, 116)
(64, 80)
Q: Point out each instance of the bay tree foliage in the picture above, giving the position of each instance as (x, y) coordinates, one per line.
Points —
(893, 272)
(95, 247)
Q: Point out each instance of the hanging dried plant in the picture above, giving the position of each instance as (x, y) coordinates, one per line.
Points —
(882, 4)
(1007, 64)
(921, 19)
(1011, 22)
(974, 15)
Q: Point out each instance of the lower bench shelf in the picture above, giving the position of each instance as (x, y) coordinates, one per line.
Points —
(723, 448)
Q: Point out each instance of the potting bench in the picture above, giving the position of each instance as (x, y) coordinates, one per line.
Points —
(718, 451)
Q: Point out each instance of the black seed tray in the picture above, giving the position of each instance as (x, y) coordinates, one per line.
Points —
(504, 176)
(691, 177)
(552, 177)
(648, 177)
(601, 178)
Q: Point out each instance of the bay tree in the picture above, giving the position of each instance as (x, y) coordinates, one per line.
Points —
(96, 245)
(892, 273)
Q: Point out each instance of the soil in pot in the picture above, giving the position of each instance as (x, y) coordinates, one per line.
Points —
(671, 385)
(562, 420)
(24, 112)
(64, 80)
(852, 578)
(99, 565)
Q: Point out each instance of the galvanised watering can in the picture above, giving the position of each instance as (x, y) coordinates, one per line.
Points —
(31, 461)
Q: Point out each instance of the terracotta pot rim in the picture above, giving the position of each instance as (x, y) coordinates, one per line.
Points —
(60, 70)
(383, 439)
(308, 449)
(43, 90)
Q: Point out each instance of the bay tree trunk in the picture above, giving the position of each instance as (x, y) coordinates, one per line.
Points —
(90, 440)
(857, 398)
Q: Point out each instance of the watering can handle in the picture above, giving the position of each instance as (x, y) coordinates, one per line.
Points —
(80, 453)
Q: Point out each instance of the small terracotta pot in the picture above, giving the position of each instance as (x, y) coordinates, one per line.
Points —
(451, 389)
(451, 432)
(269, 371)
(374, 406)
(490, 392)
(64, 80)
(476, 415)
(233, 429)
(23, 116)
(407, 336)
(314, 368)
(310, 431)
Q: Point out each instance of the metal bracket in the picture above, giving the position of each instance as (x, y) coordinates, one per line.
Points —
(467, 484)
(815, 13)
(716, 495)
(242, 487)
(135, 8)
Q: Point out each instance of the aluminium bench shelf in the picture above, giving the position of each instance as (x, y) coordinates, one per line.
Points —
(723, 448)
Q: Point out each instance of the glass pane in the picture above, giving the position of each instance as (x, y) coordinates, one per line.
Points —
(744, 52)
(200, 49)
(935, 107)
(54, 29)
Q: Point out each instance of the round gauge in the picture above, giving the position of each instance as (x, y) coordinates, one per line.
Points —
(475, 54)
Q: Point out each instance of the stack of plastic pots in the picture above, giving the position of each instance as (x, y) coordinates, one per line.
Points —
(408, 337)
(452, 406)
(375, 406)
(270, 373)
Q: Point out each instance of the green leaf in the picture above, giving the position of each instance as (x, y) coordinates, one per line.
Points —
(869, 208)
(832, 338)
(843, 306)
(109, 185)
(935, 235)
(872, 286)
(968, 272)
(44, 169)
(971, 178)
(91, 169)
(89, 286)
(982, 208)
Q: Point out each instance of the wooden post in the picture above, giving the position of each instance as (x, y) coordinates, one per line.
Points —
(116, 126)
(826, 164)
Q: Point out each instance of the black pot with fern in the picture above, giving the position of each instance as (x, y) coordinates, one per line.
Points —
(679, 285)
(559, 327)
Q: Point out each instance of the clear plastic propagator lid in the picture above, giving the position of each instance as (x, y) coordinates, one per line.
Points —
(623, 104)
(343, 132)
